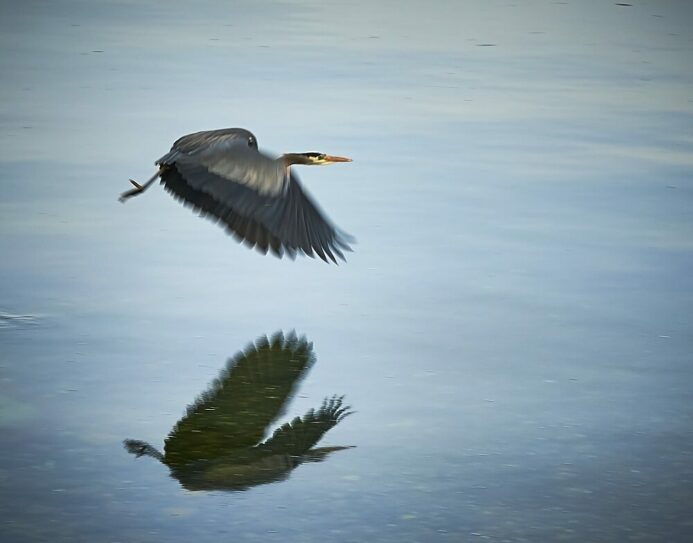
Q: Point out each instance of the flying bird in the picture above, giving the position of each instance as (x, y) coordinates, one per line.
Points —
(260, 201)
(222, 442)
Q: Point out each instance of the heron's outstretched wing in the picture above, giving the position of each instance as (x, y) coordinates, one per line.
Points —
(242, 228)
(242, 402)
(299, 436)
(254, 196)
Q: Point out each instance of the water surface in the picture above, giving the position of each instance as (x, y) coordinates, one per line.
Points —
(513, 330)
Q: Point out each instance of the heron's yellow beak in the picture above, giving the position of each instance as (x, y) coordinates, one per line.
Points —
(329, 159)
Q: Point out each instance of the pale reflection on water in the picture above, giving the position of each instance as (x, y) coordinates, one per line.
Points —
(513, 328)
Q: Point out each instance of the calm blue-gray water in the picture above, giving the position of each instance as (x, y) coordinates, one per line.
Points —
(513, 330)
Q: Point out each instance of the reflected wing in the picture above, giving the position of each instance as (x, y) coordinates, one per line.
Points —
(297, 437)
(255, 198)
(242, 402)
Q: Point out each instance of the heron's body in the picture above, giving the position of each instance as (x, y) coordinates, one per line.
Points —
(259, 199)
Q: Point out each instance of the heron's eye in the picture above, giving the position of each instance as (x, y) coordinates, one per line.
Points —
(251, 142)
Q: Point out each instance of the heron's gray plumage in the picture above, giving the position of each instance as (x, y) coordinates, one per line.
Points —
(206, 140)
(223, 175)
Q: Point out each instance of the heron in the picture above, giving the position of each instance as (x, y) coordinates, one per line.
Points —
(222, 175)
(218, 444)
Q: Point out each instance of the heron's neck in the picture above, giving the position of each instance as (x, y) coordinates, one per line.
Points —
(295, 158)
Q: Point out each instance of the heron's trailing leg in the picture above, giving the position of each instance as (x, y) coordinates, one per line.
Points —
(138, 188)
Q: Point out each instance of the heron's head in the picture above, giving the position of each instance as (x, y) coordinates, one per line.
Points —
(313, 159)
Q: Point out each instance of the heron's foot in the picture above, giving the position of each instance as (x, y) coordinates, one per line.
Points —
(133, 192)
(139, 188)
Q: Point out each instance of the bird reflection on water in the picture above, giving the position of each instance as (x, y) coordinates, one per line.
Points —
(218, 444)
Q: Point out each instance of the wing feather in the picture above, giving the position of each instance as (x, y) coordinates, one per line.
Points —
(250, 394)
(297, 437)
(290, 221)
